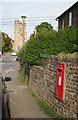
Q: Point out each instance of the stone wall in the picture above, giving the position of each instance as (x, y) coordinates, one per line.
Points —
(43, 83)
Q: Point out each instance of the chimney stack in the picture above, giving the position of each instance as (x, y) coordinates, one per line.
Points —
(23, 18)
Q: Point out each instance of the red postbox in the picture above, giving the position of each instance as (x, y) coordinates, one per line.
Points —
(60, 81)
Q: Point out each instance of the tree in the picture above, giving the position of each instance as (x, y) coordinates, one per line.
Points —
(41, 44)
(67, 40)
(1, 42)
(49, 42)
(8, 42)
(44, 25)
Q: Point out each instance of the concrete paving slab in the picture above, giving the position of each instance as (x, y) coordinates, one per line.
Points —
(22, 104)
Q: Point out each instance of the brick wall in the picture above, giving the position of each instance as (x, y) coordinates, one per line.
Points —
(43, 83)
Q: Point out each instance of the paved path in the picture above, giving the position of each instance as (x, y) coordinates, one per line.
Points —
(22, 104)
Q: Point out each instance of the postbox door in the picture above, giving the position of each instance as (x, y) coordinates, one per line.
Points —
(59, 86)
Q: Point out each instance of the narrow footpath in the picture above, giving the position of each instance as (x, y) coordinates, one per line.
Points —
(22, 104)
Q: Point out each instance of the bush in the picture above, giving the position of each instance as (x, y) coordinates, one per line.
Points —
(41, 44)
(21, 56)
(48, 42)
(67, 40)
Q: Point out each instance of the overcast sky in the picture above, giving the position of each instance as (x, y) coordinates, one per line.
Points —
(37, 11)
(38, 0)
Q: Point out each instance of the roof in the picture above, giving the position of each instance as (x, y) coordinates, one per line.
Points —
(67, 10)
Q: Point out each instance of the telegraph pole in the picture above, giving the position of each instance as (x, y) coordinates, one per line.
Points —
(23, 20)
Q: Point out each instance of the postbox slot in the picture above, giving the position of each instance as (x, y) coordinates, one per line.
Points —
(60, 69)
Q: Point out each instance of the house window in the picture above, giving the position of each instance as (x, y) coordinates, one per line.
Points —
(62, 23)
(70, 19)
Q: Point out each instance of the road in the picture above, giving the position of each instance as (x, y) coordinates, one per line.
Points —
(22, 104)
(0, 98)
(8, 63)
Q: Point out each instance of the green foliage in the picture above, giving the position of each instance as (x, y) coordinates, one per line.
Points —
(67, 40)
(21, 56)
(44, 25)
(7, 43)
(50, 42)
(21, 78)
(69, 55)
(1, 42)
(41, 44)
(44, 107)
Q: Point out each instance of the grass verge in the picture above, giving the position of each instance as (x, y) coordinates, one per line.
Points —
(44, 107)
(9, 51)
(21, 79)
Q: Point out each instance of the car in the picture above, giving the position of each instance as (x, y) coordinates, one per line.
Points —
(5, 100)
(17, 58)
(0, 98)
(0, 53)
(14, 54)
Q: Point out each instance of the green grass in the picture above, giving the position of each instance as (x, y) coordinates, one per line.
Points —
(21, 78)
(8, 51)
(44, 107)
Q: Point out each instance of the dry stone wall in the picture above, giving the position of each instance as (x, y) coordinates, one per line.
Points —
(42, 82)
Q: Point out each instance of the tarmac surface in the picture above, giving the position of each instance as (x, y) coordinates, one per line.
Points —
(22, 104)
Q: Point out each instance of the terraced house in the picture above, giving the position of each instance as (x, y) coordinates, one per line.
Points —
(69, 17)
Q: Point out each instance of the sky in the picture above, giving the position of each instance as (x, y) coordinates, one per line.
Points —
(36, 12)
